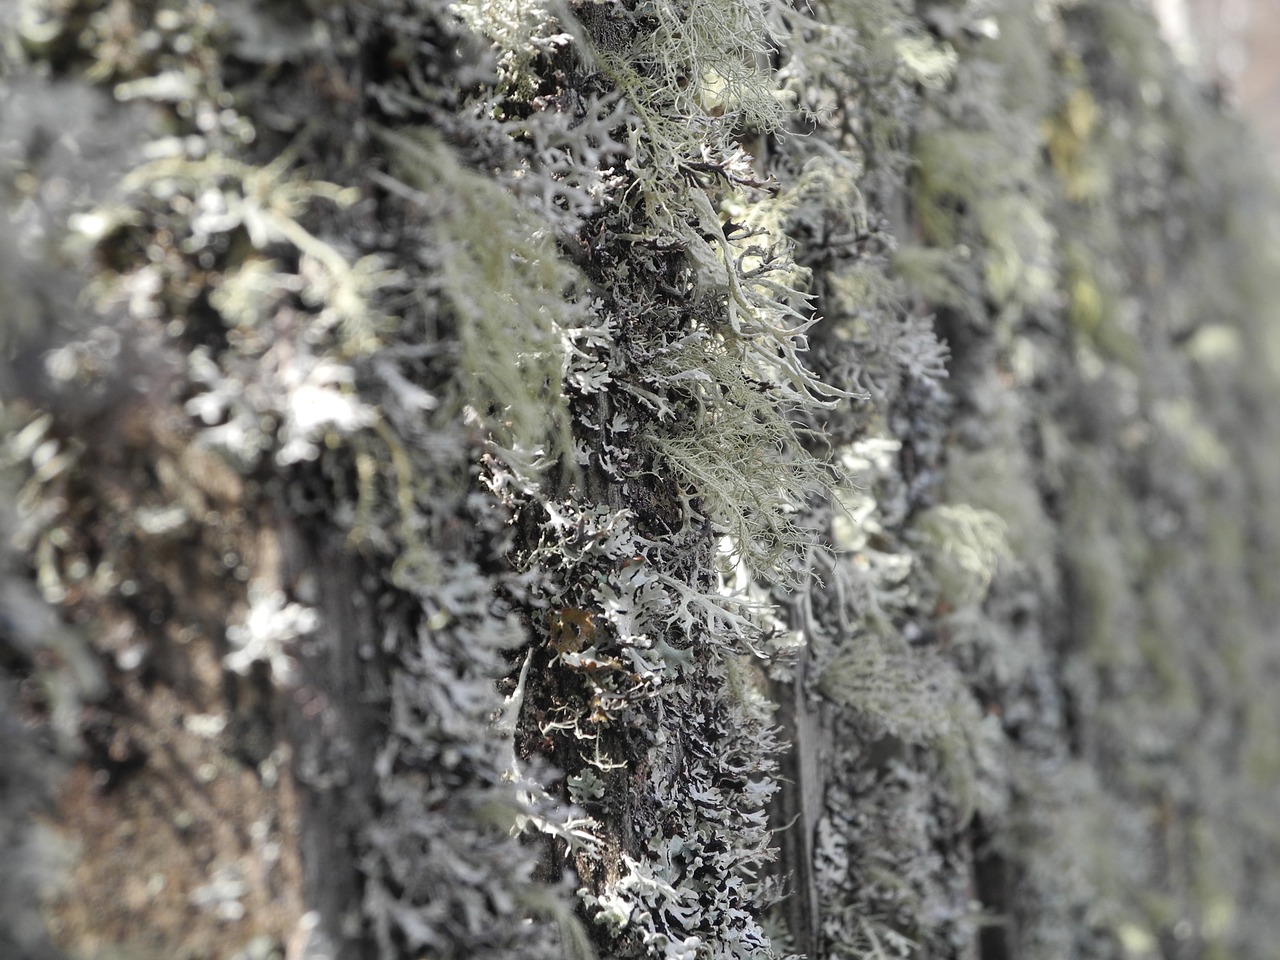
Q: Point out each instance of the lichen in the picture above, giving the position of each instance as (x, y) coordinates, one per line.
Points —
(687, 480)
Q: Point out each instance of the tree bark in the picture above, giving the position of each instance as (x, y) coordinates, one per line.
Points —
(633, 479)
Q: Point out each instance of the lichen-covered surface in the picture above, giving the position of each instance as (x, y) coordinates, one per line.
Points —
(519, 478)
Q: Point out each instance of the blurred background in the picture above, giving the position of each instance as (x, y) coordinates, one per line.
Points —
(1234, 44)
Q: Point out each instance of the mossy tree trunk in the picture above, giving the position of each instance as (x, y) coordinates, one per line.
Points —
(557, 478)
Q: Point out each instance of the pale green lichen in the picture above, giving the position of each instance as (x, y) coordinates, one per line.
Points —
(507, 288)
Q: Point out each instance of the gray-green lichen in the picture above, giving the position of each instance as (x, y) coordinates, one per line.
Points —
(808, 469)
